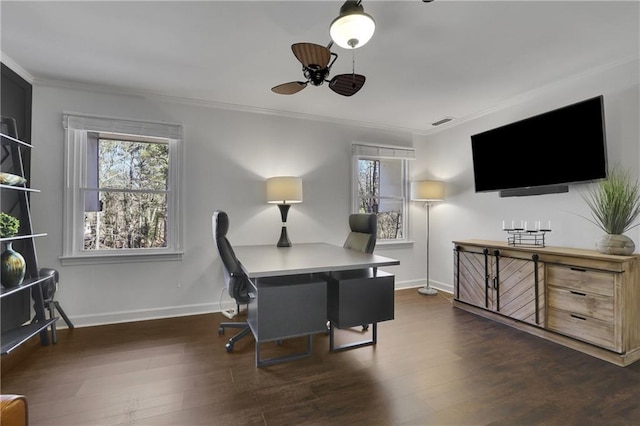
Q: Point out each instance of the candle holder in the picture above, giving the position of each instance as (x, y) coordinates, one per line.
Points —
(524, 238)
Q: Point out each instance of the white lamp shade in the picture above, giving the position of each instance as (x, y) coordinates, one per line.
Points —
(284, 190)
(427, 190)
(352, 30)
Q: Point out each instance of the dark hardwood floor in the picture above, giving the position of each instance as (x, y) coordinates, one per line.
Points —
(433, 365)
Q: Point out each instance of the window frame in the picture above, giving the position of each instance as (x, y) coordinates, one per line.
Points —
(384, 152)
(76, 127)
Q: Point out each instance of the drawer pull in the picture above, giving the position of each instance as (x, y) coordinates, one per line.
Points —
(578, 269)
(578, 317)
(577, 293)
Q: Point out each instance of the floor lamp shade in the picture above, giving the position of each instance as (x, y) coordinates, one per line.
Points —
(427, 191)
(284, 191)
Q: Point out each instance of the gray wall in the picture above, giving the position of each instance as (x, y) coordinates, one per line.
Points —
(446, 155)
(228, 155)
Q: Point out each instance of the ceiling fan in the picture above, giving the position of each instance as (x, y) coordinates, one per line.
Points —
(316, 63)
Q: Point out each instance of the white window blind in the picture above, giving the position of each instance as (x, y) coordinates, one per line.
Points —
(381, 151)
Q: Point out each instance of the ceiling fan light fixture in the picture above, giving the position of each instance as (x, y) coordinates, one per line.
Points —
(353, 28)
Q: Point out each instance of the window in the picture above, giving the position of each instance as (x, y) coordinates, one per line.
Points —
(122, 190)
(380, 187)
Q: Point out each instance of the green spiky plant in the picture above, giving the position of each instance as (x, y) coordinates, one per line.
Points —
(614, 202)
(9, 225)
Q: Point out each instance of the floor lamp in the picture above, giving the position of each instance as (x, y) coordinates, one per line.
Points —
(284, 191)
(427, 191)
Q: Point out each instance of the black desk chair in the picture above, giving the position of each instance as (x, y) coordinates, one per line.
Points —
(364, 229)
(236, 281)
(359, 297)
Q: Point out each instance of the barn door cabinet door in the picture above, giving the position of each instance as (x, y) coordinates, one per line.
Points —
(511, 284)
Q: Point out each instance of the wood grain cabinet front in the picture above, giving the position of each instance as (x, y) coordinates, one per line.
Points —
(582, 304)
(501, 281)
(586, 300)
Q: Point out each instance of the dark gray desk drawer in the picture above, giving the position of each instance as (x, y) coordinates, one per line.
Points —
(288, 306)
(358, 297)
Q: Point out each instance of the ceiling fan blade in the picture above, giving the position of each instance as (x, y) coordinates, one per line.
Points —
(347, 84)
(289, 88)
(311, 54)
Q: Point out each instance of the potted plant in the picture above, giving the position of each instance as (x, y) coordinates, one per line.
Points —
(9, 225)
(615, 207)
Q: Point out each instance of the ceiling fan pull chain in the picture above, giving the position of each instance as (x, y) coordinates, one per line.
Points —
(353, 69)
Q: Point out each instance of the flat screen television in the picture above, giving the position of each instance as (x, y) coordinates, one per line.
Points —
(544, 153)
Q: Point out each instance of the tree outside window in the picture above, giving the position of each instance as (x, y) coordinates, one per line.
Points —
(132, 200)
(381, 190)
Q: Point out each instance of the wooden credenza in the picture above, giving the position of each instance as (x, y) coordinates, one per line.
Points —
(579, 298)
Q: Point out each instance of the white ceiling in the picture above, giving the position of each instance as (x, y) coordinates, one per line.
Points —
(425, 61)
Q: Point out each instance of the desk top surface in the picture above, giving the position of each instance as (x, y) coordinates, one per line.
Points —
(268, 260)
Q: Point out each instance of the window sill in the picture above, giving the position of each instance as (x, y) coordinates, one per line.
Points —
(97, 259)
(394, 244)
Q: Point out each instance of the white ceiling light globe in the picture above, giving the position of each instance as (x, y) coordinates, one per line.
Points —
(353, 30)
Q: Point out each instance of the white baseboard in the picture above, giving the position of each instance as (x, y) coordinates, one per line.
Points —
(199, 309)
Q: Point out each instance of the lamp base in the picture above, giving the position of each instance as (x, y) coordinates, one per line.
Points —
(284, 238)
(428, 291)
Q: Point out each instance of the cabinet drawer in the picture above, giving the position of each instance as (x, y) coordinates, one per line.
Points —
(590, 330)
(582, 280)
(360, 297)
(583, 304)
(288, 306)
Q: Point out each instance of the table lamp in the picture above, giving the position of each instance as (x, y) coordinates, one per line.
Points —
(284, 191)
(427, 191)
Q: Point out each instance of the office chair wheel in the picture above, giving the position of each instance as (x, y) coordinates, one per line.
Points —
(229, 347)
(220, 331)
(365, 327)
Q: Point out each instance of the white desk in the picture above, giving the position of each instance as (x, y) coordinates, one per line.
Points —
(288, 298)
(268, 260)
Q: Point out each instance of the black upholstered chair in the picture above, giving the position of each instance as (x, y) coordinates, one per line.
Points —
(359, 297)
(236, 280)
(364, 228)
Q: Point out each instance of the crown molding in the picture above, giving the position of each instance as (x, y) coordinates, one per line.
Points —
(536, 93)
(159, 97)
(16, 68)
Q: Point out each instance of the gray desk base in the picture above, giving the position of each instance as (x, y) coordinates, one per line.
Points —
(284, 307)
(359, 298)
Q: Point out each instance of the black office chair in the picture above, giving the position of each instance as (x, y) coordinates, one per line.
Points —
(363, 296)
(364, 229)
(236, 280)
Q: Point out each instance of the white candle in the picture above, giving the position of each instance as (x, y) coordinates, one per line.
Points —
(525, 225)
(513, 224)
(503, 226)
